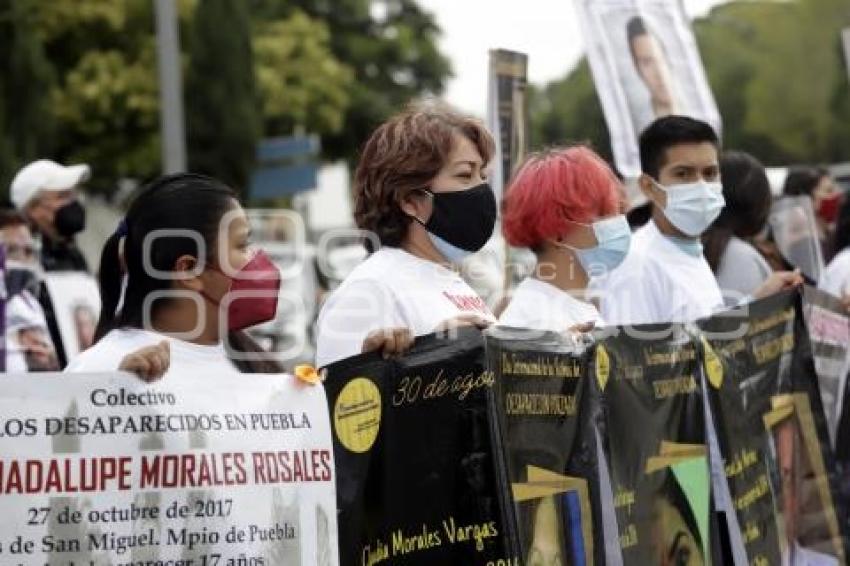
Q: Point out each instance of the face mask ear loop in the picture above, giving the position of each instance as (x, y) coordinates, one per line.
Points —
(595, 237)
(428, 192)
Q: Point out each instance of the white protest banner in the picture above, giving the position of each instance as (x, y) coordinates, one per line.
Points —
(76, 304)
(201, 470)
(646, 64)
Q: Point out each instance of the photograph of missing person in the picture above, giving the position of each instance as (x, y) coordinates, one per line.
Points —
(76, 302)
(555, 519)
(676, 539)
(85, 322)
(805, 510)
(645, 64)
(679, 505)
(653, 67)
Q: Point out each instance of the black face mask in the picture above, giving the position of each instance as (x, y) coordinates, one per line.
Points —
(21, 279)
(465, 219)
(70, 219)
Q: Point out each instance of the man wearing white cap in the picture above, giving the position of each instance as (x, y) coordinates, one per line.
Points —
(46, 194)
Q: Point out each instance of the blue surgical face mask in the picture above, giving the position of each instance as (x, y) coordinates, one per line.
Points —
(692, 207)
(453, 254)
(691, 247)
(613, 238)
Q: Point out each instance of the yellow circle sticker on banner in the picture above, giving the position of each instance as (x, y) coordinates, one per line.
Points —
(713, 365)
(603, 366)
(357, 414)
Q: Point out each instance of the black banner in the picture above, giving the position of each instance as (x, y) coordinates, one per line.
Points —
(543, 400)
(654, 429)
(415, 456)
(772, 432)
(527, 448)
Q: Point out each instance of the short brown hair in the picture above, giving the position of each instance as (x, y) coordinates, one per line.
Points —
(403, 155)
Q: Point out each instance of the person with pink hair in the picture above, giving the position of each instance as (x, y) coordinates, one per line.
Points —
(563, 204)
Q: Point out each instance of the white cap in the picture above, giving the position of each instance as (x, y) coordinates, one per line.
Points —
(45, 175)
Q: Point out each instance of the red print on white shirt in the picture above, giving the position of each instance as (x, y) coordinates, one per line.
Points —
(468, 302)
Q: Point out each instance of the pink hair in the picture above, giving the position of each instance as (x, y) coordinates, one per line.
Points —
(553, 188)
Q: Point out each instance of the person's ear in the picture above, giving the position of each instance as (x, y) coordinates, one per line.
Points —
(415, 204)
(187, 273)
(651, 191)
(34, 209)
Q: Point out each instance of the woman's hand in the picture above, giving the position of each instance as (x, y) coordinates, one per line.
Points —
(778, 282)
(845, 302)
(463, 320)
(581, 328)
(389, 341)
(149, 363)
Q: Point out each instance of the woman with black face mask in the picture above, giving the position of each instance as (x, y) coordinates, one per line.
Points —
(171, 278)
(421, 195)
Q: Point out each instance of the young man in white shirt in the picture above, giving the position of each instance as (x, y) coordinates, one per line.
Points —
(665, 277)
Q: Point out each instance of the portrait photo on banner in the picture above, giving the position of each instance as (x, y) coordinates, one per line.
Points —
(645, 64)
(76, 302)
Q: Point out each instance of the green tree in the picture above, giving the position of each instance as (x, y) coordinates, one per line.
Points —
(26, 79)
(391, 46)
(776, 72)
(105, 101)
(302, 85)
(87, 69)
(222, 118)
(568, 111)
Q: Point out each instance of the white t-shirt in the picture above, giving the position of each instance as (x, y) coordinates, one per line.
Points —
(836, 276)
(186, 357)
(392, 289)
(540, 305)
(658, 283)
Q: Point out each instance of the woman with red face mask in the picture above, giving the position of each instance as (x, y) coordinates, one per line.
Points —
(179, 282)
(817, 184)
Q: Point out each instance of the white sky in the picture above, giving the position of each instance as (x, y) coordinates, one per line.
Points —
(546, 30)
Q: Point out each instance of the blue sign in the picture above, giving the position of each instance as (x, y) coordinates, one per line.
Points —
(272, 182)
(285, 166)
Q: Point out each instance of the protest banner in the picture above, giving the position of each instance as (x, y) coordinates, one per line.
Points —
(101, 469)
(655, 441)
(415, 456)
(645, 64)
(772, 432)
(829, 332)
(653, 444)
(507, 114)
(76, 304)
(544, 406)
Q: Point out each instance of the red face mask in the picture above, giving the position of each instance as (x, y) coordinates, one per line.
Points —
(253, 293)
(828, 208)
